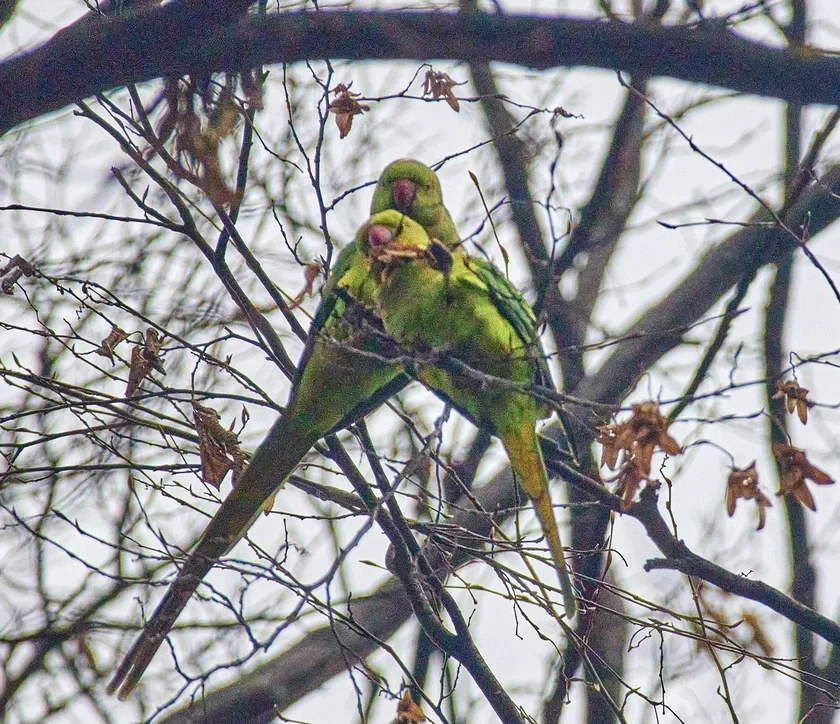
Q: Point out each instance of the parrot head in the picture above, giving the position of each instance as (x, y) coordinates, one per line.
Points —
(391, 237)
(410, 187)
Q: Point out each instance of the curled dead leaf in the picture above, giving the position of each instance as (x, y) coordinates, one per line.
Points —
(144, 359)
(310, 274)
(344, 106)
(218, 448)
(607, 439)
(408, 710)
(107, 346)
(198, 133)
(795, 470)
(637, 439)
(743, 483)
(439, 85)
(14, 270)
(796, 398)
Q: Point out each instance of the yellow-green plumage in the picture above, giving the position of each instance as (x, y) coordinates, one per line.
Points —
(465, 309)
(333, 388)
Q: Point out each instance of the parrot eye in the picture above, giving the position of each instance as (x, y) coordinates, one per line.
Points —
(379, 235)
(403, 193)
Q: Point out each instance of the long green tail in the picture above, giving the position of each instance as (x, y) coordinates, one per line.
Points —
(275, 459)
(335, 388)
(526, 459)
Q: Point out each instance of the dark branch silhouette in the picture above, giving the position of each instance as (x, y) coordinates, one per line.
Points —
(104, 53)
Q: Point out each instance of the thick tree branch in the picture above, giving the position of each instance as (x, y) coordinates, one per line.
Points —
(716, 273)
(176, 39)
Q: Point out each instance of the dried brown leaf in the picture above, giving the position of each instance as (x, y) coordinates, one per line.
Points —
(795, 471)
(743, 484)
(310, 274)
(439, 85)
(344, 106)
(667, 444)
(628, 483)
(408, 710)
(607, 436)
(643, 456)
(218, 448)
(154, 343)
(106, 348)
(138, 368)
(144, 359)
(795, 397)
(758, 635)
(13, 271)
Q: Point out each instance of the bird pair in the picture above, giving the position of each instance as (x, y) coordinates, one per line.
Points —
(404, 282)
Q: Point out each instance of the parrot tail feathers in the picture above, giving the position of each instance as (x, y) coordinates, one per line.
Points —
(154, 633)
(275, 459)
(526, 459)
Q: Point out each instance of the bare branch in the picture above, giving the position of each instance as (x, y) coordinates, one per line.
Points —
(99, 56)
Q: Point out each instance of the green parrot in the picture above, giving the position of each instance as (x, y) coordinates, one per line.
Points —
(463, 309)
(333, 388)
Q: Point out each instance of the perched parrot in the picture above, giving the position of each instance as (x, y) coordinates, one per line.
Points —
(333, 388)
(463, 309)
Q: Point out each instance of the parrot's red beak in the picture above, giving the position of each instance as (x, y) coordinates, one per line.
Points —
(402, 194)
(379, 236)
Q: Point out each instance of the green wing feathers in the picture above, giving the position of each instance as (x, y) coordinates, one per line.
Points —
(512, 306)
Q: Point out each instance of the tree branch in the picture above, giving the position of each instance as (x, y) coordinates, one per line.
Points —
(176, 39)
(715, 274)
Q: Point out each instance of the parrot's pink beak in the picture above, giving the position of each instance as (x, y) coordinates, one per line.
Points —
(379, 235)
(402, 194)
